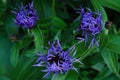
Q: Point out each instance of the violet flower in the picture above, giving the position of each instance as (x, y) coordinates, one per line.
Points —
(91, 25)
(56, 60)
(26, 16)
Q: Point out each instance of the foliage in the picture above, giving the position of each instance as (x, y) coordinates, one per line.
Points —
(58, 19)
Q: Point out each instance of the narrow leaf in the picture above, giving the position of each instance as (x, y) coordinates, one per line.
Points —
(111, 60)
(71, 75)
(82, 50)
(115, 5)
(59, 77)
(59, 23)
(98, 7)
(114, 43)
(38, 39)
(104, 39)
(26, 41)
(15, 54)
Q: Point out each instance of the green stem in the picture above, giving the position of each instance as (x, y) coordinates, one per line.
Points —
(53, 7)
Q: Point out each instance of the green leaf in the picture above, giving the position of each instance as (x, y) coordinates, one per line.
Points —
(82, 51)
(100, 9)
(45, 23)
(52, 21)
(26, 41)
(15, 51)
(98, 66)
(111, 59)
(114, 47)
(115, 5)
(24, 69)
(15, 54)
(104, 73)
(114, 43)
(94, 60)
(59, 23)
(71, 75)
(44, 8)
(59, 77)
(104, 14)
(104, 39)
(30, 53)
(112, 77)
(38, 38)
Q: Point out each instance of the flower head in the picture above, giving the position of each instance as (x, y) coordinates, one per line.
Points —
(26, 16)
(56, 60)
(91, 25)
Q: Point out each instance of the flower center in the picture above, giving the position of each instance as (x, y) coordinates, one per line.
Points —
(57, 59)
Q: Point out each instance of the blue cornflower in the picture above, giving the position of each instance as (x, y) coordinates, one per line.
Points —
(91, 25)
(56, 60)
(26, 16)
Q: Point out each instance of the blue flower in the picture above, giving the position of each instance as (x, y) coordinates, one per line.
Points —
(56, 60)
(91, 25)
(26, 16)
